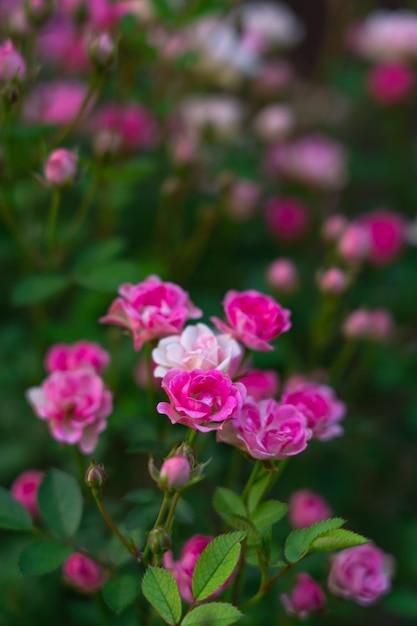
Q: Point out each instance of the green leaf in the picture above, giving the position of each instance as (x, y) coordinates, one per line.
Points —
(268, 513)
(402, 602)
(243, 523)
(121, 591)
(13, 515)
(299, 541)
(38, 288)
(161, 590)
(215, 564)
(226, 502)
(212, 614)
(107, 277)
(100, 252)
(256, 492)
(60, 503)
(132, 170)
(42, 557)
(337, 540)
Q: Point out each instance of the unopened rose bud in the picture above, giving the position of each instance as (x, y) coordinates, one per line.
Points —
(95, 476)
(282, 276)
(103, 51)
(159, 541)
(12, 65)
(333, 281)
(175, 473)
(333, 227)
(60, 167)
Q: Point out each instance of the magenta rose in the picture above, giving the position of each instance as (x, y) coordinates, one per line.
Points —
(322, 409)
(306, 508)
(261, 384)
(267, 430)
(82, 572)
(151, 310)
(200, 400)
(306, 597)
(75, 405)
(361, 574)
(87, 354)
(253, 318)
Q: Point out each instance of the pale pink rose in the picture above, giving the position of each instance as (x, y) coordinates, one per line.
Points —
(361, 574)
(84, 573)
(320, 406)
(25, 490)
(132, 124)
(272, 77)
(306, 597)
(198, 347)
(274, 122)
(56, 103)
(272, 22)
(287, 218)
(242, 199)
(387, 35)
(334, 227)
(377, 325)
(261, 384)
(86, 354)
(354, 243)
(386, 233)
(314, 160)
(12, 65)
(200, 400)
(282, 276)
(306, 508)
(151, 310)
(333, 281)
(253, 319)
(175, 472)
(75, 405)
(183, 569)
(60, 167)
(267, 430)
(382, 324)
(390, 83)
(220, 115)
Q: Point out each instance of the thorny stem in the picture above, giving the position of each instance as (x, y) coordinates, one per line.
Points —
(129, 546)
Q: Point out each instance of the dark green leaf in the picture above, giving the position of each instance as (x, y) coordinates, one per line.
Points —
(226, 502)
(38, 288)
(161, 590)
(133, 170)
(212, 614)
(43, 557)
(402, 602)
(256, 492)
(13, 515)
(60, 503)
(121, 591)
(107, 277)
(268, 513)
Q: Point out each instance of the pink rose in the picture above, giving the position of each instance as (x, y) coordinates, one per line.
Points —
(200, 400)
(197, 348)
(253, 319)
(287, 218)
(175, 473)
(75, 405)
(84, 573)
(386, 233)
(132, 124)
(25, 490)
(267, 430)
(56, 103)
(354, 243)
(322, 409)
(333, 281)
(390, 83)
(12, 65)
(377, 325)
(306, 597)
(261, 384)
(306, 508)
(151, 310)
(60, 167)
(361, 574)
(86, 354)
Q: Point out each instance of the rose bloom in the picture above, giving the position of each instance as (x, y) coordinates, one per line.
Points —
(12, 65)
(56, 103)
(183, 569)
(322, 409)
(151, 310)
(287, 218)
(253, 319)
(361, 574)
(132, 124)
(314, 160)
(377, 325)
(75, 405)
(200, 400)
(87, 354)
(82, 572)
(198, 347)
(386, 234)
(306, 597)
(306, 508)
(261, 384)
(267, 430)
(273, 23)
(25, 490)
(387, 35)
(390, 84)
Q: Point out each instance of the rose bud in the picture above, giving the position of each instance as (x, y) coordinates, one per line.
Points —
(83, 573)
(306, 597)
(306, 508)
(159, 541)
(175, 473)
(25, 490)
(12, 65)
(103, 51)
(95, 476)
(60, 167)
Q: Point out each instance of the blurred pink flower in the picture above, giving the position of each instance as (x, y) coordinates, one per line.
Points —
(386, 35)
(333, 281)
(306, 597)
(84, 573)
(132, 124)
(261, 384)
(56, 103)
(287, 218)
(242, 199)
(274, 122)
(82, 354)
(253, 319)
(61, 44)
(60, 167)
(334, 227)
(377, 325)
(267, 430)
(12, 64)
(151, 310)
(390, 83)
(282, 276)
(75, 405)
(354, 243)
(200, 400)
(361, 574)
(386, 233)
(25, 490)
(306, 508)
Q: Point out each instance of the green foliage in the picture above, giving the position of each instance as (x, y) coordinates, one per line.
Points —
(256, 492)
(227, 503)
(120, 591)
(402, 602)
(43, 557)
(212, 614)
(38, 288)
(13, 516)
(300, 541)
(161, 590)
(337, 540)
(60, 503)
(267, 514)
(107, 277)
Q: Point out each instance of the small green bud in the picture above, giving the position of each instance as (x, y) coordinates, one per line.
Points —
(159, 541)
(95, 476)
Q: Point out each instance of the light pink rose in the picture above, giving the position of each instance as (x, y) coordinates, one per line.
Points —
(87, 354)
(322, 409)
(56, 103)
(306, 597)
(151, 310)
(200, 400)
(131, 124)
(75, 405)
(253, 319)
(267, 430)
(377, 325)
(198, 347)
(261, 384)
(25, 490)
(386, 234)
(306, 508)
(282, 276)
(287, 218)
(333, 281)
(12, 65)
(84, 573)
(60, 167)
(390, 83)
(386, 35)
(274, 122)
(361, 574)
(354, 243)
